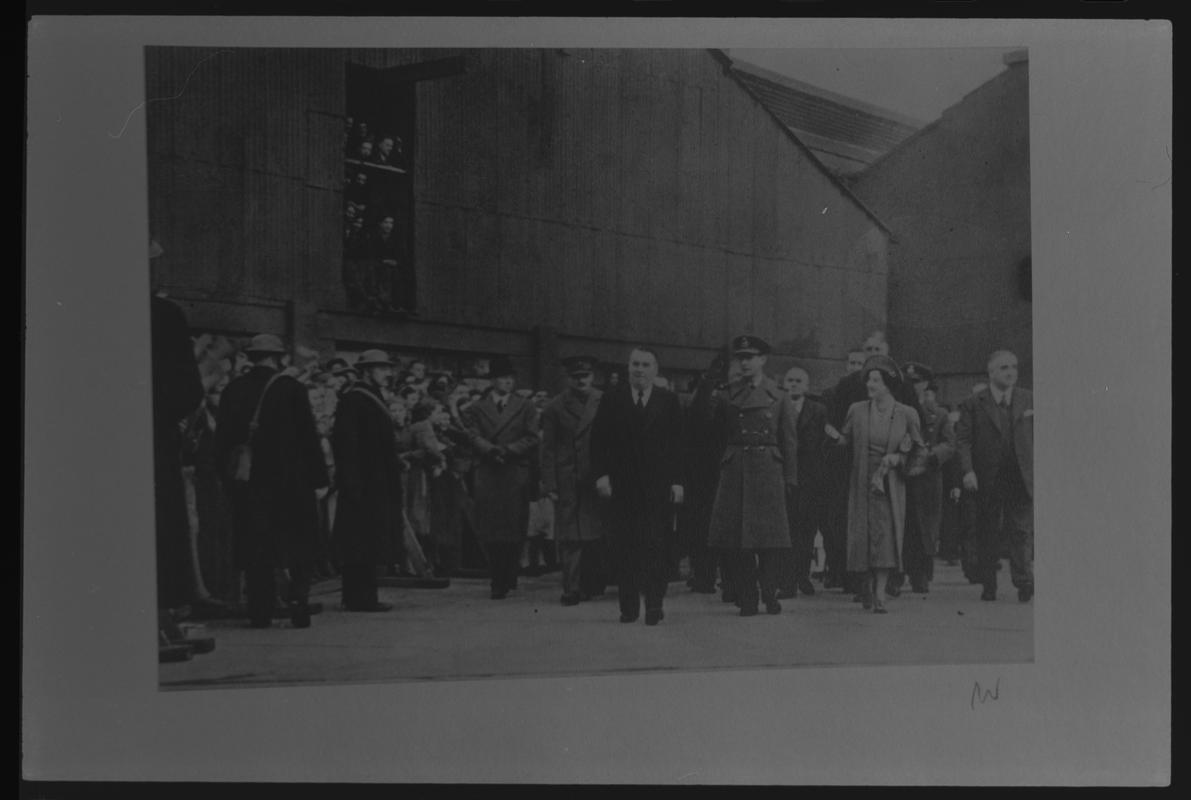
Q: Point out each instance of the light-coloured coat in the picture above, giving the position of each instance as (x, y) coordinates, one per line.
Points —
(904, 431)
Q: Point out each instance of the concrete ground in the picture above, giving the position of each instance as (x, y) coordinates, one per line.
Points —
(458, 632)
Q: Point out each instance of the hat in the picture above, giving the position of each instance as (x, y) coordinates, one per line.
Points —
(374, 358)
(579, 365)
(500, 366)
(265, 343)
(916, 372)
(749, 345)
(883, 363)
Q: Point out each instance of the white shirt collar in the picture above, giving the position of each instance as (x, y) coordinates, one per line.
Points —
(648, 390)
(798, 403)
(999, 395)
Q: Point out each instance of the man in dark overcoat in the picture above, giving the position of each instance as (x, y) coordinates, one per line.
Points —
(927, 489)
(636, 452)
(995, 440)
(504, 432)
(568, 481)
(368, 520)
(757, 471)
(275, 511)
(805, 502)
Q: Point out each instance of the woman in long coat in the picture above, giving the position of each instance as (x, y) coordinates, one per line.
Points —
(881, 432)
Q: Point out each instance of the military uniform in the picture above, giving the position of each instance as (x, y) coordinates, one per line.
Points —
(758, 467)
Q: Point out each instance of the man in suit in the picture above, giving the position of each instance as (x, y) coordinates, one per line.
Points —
(758, 471)
(275, 506)
(938, 433)
(568, 481)
(995, 439)
(805, 501)
(368, 522)
(636, 452)
(504, 431)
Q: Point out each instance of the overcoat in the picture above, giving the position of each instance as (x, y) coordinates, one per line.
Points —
(641, 453)
(903, 431)
(368, 522)
(501, 494)
(566, 466)
(927, 488)
(276, 515)
(760, 460)
(981, 438)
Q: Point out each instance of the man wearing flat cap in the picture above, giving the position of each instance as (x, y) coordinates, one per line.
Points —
(567, 479)
(926, 490)
(758, 470)
(504, 431)
(275, 492)
(368, 521)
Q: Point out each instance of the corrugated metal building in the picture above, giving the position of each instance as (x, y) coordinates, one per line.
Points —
(957, 197)
(558, 201)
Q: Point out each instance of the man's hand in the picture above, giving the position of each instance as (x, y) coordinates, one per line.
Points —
(676, 495)
(321, 492)
(970, 482)
(604, 487)
(831, 432)
(890, 460)
(955, 494)
(553, 496)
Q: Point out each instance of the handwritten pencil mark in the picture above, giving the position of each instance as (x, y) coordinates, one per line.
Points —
(982, 695)
(181, 92)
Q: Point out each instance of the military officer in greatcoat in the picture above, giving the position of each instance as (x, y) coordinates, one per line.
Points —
(567, 479)
(758, 469)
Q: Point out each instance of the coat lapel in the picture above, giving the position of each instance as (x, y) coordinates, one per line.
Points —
(651, 407)
(502, 419)
(589, 411)
(990, 407)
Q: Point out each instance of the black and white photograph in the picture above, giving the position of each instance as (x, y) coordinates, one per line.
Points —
(623, 381)
(422, 290)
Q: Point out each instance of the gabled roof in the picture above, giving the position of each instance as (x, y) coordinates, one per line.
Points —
(847, 134)
(730, 70)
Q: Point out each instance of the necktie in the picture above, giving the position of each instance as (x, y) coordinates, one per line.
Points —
(640, 401)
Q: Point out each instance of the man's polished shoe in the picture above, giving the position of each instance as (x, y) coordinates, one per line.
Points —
(989, 594)
(773, 607)
(892, 591)
(750, 611)
(570, 599)
(919, 588)
(787, 594)
(260, 623)
(173, 653)
(628, 617)
(1025, 594)
(806, 587)
(501, 595)
(654, 615)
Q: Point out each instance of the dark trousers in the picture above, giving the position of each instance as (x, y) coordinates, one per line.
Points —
(643, 566)
(726, 562)
(802, 511)
(504, 562)
(570, 559)
(593, 570)
(1005, 510)
(359, 585)
(755, 567)
(703, 562)
(919, 567)
(835, 532)
(260, 589)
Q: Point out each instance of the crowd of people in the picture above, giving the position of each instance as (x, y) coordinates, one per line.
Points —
(296, 470)
(375, 246)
